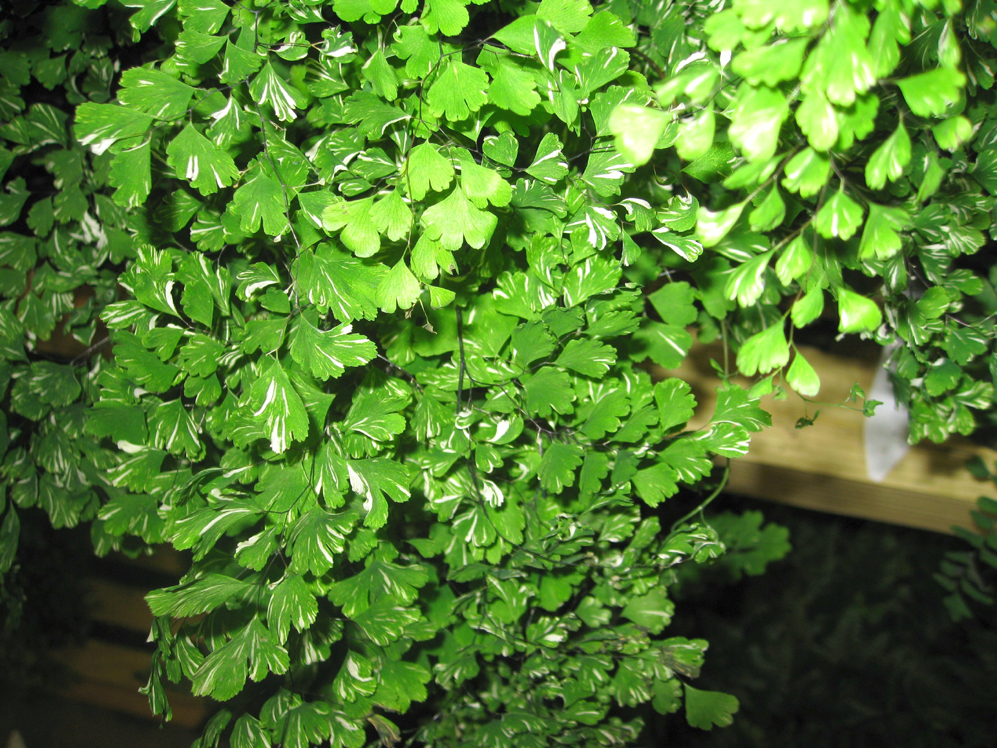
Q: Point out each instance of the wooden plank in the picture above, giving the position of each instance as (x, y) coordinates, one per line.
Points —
(187, 711)
(165, 560)
(60, 722)
(109, 676)
(106, 663)
(119, 605)
(846, 497)
(823, 466)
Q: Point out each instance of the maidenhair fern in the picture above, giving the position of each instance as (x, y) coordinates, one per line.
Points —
(386, 285)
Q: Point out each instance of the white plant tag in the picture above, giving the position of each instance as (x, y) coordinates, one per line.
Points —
(885, 432)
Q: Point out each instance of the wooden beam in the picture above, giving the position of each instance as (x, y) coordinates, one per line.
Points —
(109, 676)
(823, 466)
(165, 560)
(847, 497)
(119, 605)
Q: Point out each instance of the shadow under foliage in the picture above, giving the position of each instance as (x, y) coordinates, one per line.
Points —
(43, 605)
(845, 642)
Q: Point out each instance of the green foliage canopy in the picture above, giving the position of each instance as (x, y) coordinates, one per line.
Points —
(853, 143)
(383, 282)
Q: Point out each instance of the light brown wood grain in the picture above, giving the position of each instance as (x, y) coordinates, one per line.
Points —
(823, 466)
(119, 605)
(109, 676)
(165, 560)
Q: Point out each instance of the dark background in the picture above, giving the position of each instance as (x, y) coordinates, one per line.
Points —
(845, 642)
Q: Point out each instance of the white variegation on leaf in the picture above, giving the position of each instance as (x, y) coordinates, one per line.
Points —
(446, 292)
(747, 282)
(637, 130)
(199, 161)
(839, 217)
(269, 89)
(712, 227)
(858, 313)
(802, 377)
(764, 351)
(277, 408)
(758, 117)
(328, 353)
